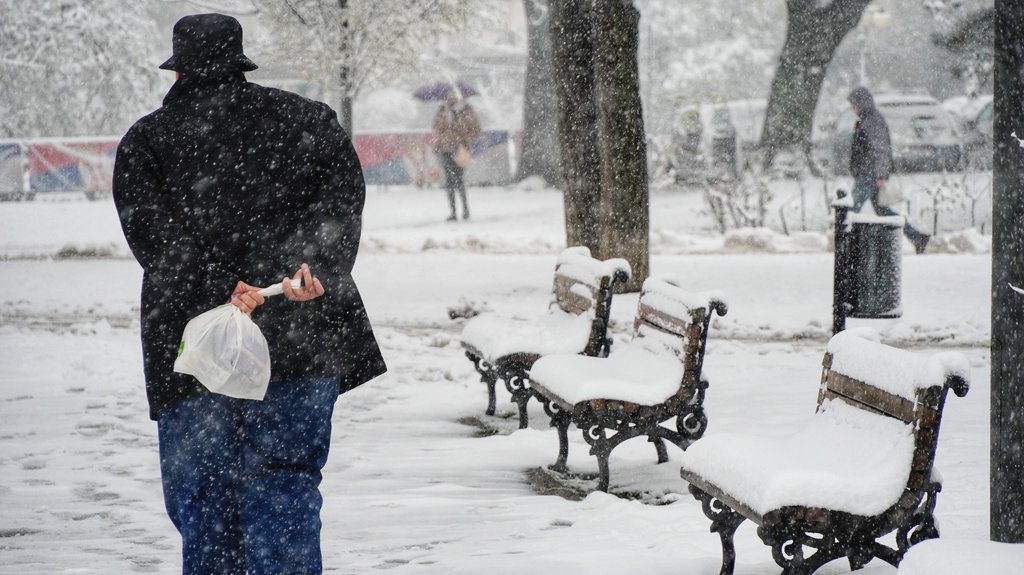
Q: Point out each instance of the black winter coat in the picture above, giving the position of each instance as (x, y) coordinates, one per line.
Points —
(871, 151)
(232, 181)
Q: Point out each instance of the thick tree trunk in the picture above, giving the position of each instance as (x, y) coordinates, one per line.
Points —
(1006, 479)
(812, 36)
(624, 186)
(540, 153)
(573, 74)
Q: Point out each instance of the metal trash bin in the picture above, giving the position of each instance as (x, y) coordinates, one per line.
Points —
(876, 245)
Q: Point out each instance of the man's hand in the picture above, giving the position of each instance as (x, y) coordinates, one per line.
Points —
(311, 286)
(882, 182)
(246, 298)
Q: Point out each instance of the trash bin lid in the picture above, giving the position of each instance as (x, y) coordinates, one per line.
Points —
(872, 219)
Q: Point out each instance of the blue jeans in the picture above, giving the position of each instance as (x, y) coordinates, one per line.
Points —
(865, 189)
(241, 478)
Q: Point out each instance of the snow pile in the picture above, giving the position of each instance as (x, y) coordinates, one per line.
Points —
(956, 557)
(968, 241)
(531, 184)
(472, 243)
(752, 240)
(857, 353)
(467, 308)
(845, 459)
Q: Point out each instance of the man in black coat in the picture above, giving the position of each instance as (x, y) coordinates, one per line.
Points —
(229, 187)
(871, 161)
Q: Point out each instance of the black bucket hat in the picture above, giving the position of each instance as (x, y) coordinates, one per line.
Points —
(208, 44)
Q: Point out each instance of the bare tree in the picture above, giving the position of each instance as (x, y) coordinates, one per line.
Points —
(815, 29)
(966, 33)
(353, 45)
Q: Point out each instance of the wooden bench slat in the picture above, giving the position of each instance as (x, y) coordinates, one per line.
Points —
(572, 302)
(861, 394)
(663, 321)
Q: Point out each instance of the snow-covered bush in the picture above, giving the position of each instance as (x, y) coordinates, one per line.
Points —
(75, 67)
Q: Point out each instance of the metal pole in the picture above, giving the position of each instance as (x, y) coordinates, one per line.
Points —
(841, 266)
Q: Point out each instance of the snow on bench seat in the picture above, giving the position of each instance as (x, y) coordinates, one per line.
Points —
(846, 459)
(554, 332)
(635, 373)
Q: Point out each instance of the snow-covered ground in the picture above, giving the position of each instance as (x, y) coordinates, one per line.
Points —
(410, 486)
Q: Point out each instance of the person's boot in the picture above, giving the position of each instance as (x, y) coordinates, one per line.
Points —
(920, 243)
(452, 218)
(465, 214)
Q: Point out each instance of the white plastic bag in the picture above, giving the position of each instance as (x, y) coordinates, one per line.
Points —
(889, 195)
(226, 351)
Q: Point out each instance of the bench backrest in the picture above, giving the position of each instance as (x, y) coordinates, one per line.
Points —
(891, 382)
(679, 320)
(585, 285)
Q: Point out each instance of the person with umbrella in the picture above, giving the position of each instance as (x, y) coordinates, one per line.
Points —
(456, 128)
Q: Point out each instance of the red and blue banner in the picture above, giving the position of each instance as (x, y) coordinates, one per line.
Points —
(408, 158)
(57, 165)
(48, 165)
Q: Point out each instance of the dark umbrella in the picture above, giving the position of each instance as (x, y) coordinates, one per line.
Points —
(439, 91)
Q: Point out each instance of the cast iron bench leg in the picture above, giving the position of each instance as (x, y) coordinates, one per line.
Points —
(724, 521)
(602, 467)
(561, 422)
(491, 381)
(522, 397)
(659, 446)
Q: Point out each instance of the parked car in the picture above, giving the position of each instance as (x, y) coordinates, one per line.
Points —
(978, 137)
(963, 108)
(924, 136)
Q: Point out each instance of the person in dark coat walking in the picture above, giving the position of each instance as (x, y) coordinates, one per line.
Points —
(871, 161)
(230, 186)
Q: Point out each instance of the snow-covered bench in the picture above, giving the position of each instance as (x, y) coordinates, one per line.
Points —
(576, 322)
(654, 378)
(861, 469)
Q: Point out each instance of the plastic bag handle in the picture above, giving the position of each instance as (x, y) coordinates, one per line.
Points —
(278, 289)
